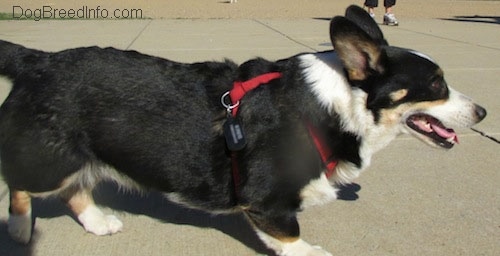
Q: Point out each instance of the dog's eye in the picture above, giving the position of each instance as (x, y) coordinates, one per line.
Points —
(439, 87)
(436, 85)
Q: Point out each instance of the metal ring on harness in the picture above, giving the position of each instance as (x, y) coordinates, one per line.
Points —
(229, 106)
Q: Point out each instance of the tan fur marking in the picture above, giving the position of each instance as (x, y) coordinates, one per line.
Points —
(353, 55)
(20, 202)
(391, 117)
(356, 74)
(398, 95)
(427, 104)
(288, 239)
(80, 201)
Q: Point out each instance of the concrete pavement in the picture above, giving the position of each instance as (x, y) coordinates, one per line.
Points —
(413, 200)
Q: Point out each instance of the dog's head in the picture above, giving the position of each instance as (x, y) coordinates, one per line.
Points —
(404, 88)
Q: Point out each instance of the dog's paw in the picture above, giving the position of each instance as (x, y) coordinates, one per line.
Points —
(19, 227)
(94, 221)
(302, 248)
(114, 224)
(318, 251)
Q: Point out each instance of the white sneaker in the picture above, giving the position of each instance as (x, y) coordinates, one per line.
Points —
(390, 19)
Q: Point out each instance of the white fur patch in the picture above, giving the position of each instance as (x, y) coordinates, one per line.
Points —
(324, 72)
(269, 241)
(93, 173)
(458, 111)
(346, 172)
(90, 175)
(318, 192)
(300, 247)
(325, 75)
(94, 221)
(296, 248)
(19, 227)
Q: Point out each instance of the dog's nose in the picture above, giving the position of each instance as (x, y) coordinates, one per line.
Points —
(480, 113)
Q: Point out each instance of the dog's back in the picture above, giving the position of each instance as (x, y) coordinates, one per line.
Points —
(81, 108)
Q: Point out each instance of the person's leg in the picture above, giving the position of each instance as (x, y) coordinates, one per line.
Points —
(388, 4)
(371, 4)
(389, 18)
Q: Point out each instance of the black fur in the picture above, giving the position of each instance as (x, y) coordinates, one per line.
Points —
(147, 117)
(159, 122)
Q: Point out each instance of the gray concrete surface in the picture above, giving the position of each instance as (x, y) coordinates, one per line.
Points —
(413, 200)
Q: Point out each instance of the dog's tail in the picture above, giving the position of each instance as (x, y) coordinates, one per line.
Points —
(14, 58)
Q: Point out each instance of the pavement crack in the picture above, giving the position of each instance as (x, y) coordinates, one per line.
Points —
(452, 40)
(284, 35)
(138, 35)
(486, 135)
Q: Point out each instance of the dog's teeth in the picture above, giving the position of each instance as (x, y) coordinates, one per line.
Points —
(427, 127)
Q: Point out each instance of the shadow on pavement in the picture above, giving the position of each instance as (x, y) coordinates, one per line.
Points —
(156, 206)
(152, 204)
(10, 248)
(476, 19)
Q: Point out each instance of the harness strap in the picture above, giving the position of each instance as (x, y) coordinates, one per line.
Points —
(324, 151)
(238, 92)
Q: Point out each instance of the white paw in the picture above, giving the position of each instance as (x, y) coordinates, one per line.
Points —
(318, 251)
(114, 224)
(302, 248)
(19, 227)
(94, 221)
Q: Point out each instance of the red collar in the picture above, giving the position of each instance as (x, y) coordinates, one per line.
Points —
(241, 88)
(238, 92)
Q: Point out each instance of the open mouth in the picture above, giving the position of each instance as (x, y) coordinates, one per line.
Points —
(432, 130)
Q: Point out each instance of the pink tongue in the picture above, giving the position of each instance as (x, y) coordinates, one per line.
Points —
(445, 133)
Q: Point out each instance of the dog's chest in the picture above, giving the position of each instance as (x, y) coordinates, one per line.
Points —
(317, 192)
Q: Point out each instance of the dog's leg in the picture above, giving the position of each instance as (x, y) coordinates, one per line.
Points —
(281, 233)
(20, 222)
(90, 216)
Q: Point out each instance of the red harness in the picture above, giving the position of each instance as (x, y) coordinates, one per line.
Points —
(238, 92)
(241, 88)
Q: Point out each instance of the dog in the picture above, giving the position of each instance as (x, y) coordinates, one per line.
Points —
(265, 138)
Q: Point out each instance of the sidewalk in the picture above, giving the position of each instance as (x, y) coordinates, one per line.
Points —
(414, 200)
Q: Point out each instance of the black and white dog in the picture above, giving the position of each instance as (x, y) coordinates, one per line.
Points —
(266, 138)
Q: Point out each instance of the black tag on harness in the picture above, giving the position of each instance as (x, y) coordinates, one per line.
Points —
(233, 132)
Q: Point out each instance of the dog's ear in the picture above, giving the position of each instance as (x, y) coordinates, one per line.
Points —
(363, 20)
(361, 55)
